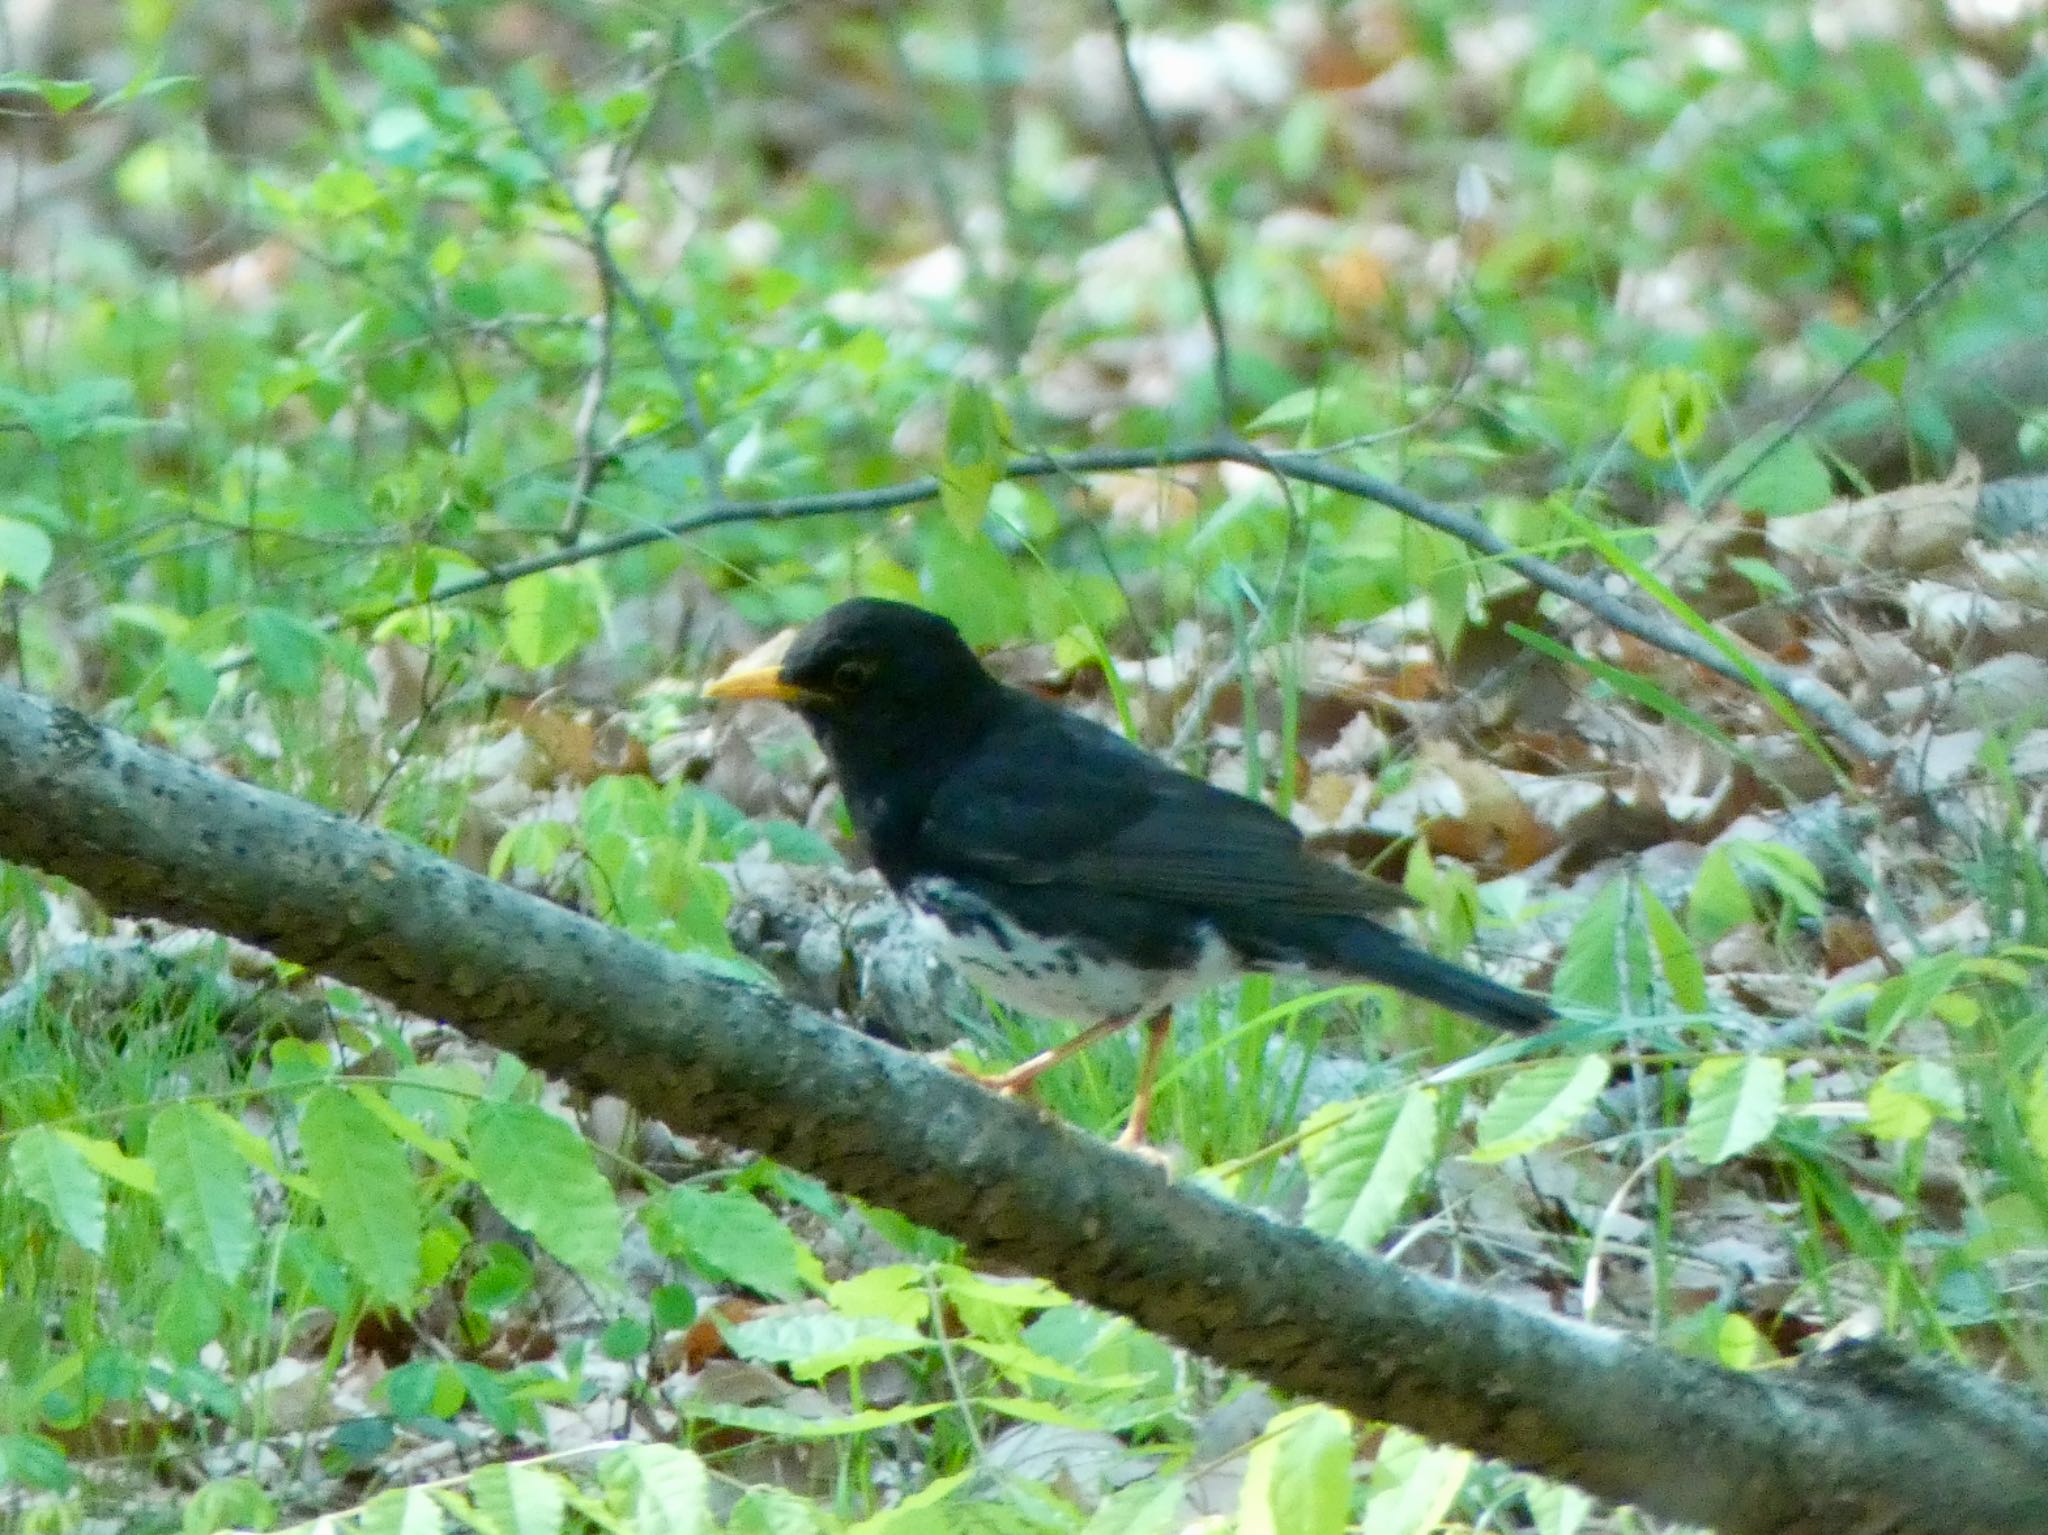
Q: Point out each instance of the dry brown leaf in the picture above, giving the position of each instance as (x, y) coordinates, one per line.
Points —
(1467, 808)
(580, 744)
(1913, 529)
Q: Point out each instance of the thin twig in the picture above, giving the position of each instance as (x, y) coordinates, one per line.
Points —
(590, 463)
(597, 241)
(1169, 181)
(1912, 309)
(1822, 702)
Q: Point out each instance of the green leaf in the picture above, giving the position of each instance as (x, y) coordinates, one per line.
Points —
(1558, 1509)
(896, 1291)
(1740, 1345)
(540, 1174)
(667, 1490)
(550, 616)
(111, 1162)
(1680, 962)
(1148, 1507)
(777, 1511)
(1667, 412)
(782, 1423)
(1736, 1103)
(2035, 1112)
(25, 553)
(203, 1183)
(1794, 479)
(1413, 1485)
(815, 1343)
(30, 1460)
(189, 1315)
(289, 651)
(1297, 1480)
(1588, 973)
(1720, 901)
(1363, 1169)
(968, 579)
(733, 1237)
(624, 1338)
(1537, 1105)
(368, 1195)
(503, 1279)
(60, 96)
(1906, 1101)
(51, 1171)
(234, 1502)
(402, 1511)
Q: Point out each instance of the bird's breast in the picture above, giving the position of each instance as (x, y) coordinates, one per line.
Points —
(1066, 975)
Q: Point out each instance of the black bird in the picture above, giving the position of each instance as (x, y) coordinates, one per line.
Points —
(1065, 870)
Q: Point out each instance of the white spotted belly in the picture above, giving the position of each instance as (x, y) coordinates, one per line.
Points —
(1049, 979)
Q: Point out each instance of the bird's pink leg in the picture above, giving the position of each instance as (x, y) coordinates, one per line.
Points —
(1157, 1027)
(1018, 1078)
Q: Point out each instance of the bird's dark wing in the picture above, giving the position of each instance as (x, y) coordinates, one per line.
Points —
(1066, 802)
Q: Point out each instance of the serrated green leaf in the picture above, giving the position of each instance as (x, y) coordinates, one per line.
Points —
(733, 1237)
(203, 1185)
(1720, 901)
(777, 1511)
(669, 1490)
(1676, 956)
(781, 1423)
(540, 1174)
(402, 1511)
(1297, 1480)
(812, 1344)
(367, 1193)
(54, 1174)
(1537, 1105)
(1588, 974)
(112, 1163)
(408, 1130)
(1413, 1485)
(1362, 1170)
(1736, 1103)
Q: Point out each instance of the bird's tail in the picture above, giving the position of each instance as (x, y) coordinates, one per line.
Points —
(1375, 954)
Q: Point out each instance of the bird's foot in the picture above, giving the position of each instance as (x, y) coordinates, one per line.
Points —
(1013, 1083)
(1135, 1142)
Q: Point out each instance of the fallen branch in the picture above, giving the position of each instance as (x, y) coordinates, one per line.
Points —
(1923, 1449)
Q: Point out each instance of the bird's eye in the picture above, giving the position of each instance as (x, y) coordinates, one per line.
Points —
(851, 676)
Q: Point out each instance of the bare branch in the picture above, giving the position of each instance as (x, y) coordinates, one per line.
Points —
(1865, 1441)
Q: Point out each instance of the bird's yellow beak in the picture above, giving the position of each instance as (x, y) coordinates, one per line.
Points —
(758, 674)
(744, 681)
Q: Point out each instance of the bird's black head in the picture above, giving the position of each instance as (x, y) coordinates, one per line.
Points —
(882, 663)
(892, 693)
